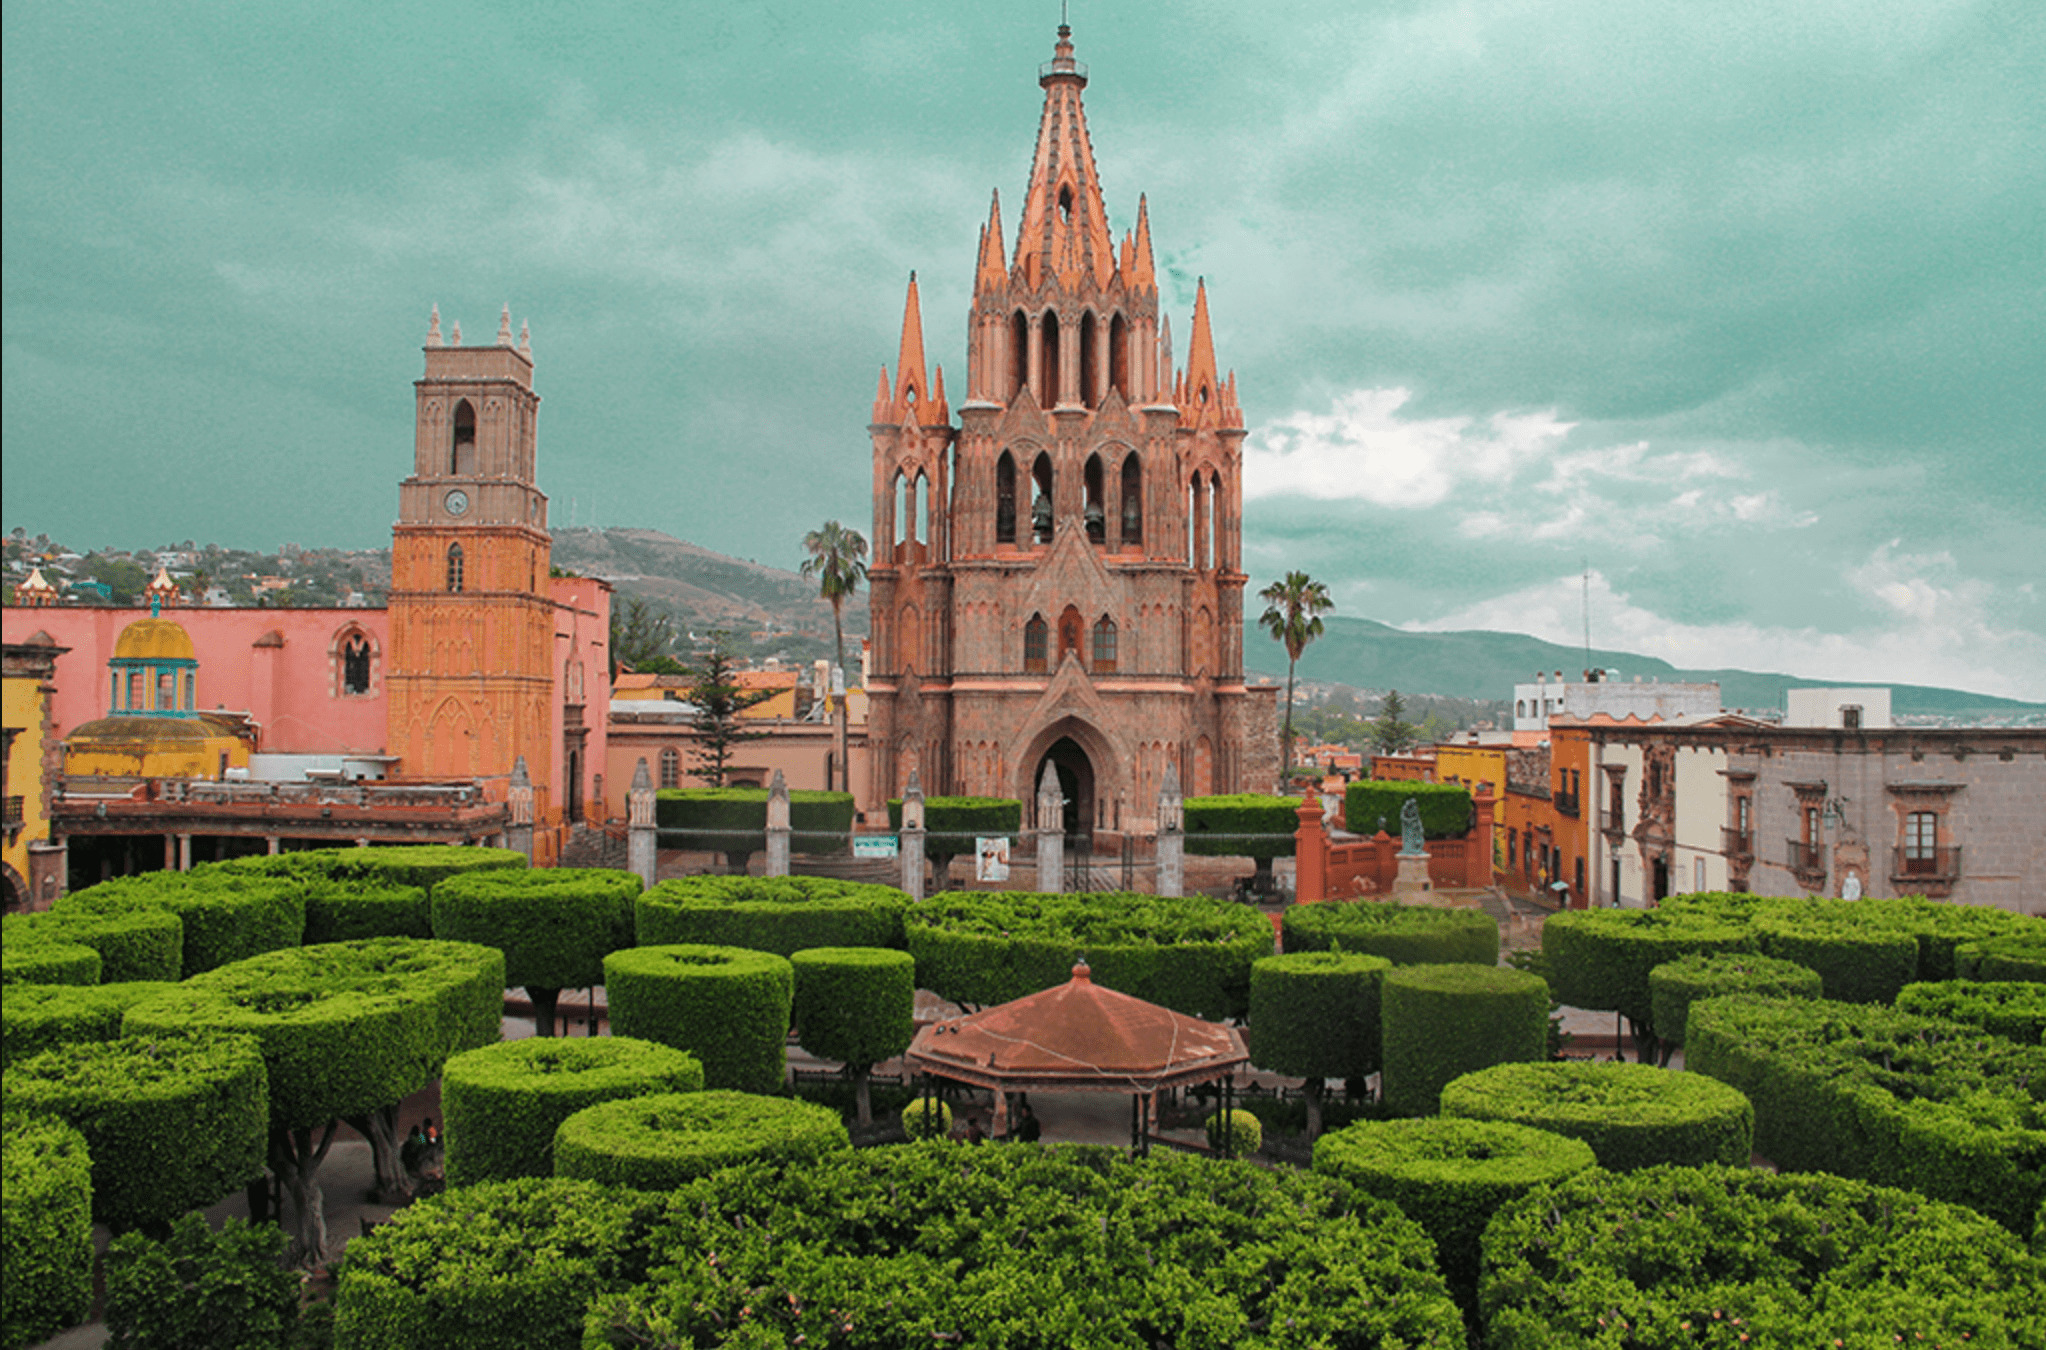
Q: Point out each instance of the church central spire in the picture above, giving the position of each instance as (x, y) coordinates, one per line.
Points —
(1064, 231)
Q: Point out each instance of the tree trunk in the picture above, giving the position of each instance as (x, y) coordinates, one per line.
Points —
(736, 862)
(863, 1096)
(380, 1127)
(1286, 737)
(1314, 1087)
(296, 1163)
(544, 999)
(1646, 1047)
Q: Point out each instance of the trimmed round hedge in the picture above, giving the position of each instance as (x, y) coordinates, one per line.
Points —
(1602, 958)
(1675, 985)
(1450, 1175)
(143, 944)
(1859, 962)
(554, 925)
(421, 865)
(50, 962)
(1672, 1256)
(928, 1118)
(45, 1228)
(345, 1027)
(1442, 1022)
(1192, 954)
(1446, 808)
(39, 1017)
(2015, 956)
(1406, 935)
(347, 911)
(782, 915)
(1235, 1133)
(227, 916)
(1632, 1115)
(502, 1103)
(726, 1005)
(1242, 825)
(2013, 1009)
(856, 1005)
(173, 1122)
(1315, 1015)
(479, 1267)
(657, 1143)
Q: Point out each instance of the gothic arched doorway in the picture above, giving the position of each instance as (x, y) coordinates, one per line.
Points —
(1076, 783)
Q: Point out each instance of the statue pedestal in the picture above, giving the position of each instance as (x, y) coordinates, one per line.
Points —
(1412, 879)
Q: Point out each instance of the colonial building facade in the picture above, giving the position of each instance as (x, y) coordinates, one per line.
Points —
(1057, 577)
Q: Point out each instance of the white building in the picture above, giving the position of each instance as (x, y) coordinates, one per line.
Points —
(1845, 709)
(1534, 704)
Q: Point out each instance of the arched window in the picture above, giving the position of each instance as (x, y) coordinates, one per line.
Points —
(1035, 634)
(1096, 517)
(355, 665)
(1132, 499)
(1520, 708)
(1104, 646)
(135, 689)
(462, 451)
(1048, 367)
(1041, 505)
(166, 690)
(671, 768)
(1193, 508)
(191, 689)
(903, 505)
(1090, 352)
(454, 568)
(1119, 356)
(1019, 353)
(1005, 499)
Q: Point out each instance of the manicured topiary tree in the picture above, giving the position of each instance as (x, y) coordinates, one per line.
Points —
(348, 1030)
(1243, 825)
(2013, 1009)
(1315, 1015)
(2016, 956)
(657, 1143)
(733, 821)
(1442, 1022)
(1601, 958)
(554, 926)
(422, 865)
(1632, 1115)
(1234, 1134)
(173, 1121)
(1450, 1175)
(37, 1017)
(927, 1118)
(856, 1005)
(770, 914)
(1406, 935)
(202, 1290)
(502, 1103)
(227, 916)
(1675, 985)
(1446, 808)
(347, 911)
(49, 962)
(142, 944)
(457, 1271)
(45, 1228)
(1858, 961)
(727, 1006)
(953, 825)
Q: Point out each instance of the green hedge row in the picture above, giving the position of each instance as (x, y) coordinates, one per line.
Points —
(345, 911)
(1632, 1115)
(770, 914)
(657, 1143)
(1242, 825)
(173, 1122)
(2014, 956)
(1675, 985)
(1448, 1175)
(1857, 961)
(1442, 1022)
(1602, 958)
(1406, 935)
(45, 1228)
(855, 1005)
(49, 962)
(503, 1103)
(39, 1017)
(227, 916)
(952, 824)
(1674, 1256)
(142, 944)
(555, 926)
(1315, 1015)
(726, 1005)
(1889, 1096)
(2015, 1009)
(421, 865)
(1190, 954)
(1862, 969)
(734, 820)
(1446, 808)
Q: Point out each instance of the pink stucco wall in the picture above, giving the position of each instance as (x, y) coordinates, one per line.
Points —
(582, 681)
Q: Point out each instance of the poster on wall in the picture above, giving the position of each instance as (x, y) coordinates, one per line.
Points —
(991, 859)
(874, 846)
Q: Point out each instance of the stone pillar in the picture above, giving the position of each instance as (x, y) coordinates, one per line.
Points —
(910, 845)
(642, 840)
(519, 834)
(1171, 834)
(1478, 868)
(777, 827)
(184, 853)
(1310, 850)
(272, 845)
(1051, 836)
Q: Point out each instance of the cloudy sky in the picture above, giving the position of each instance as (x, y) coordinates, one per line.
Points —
(1735, 304)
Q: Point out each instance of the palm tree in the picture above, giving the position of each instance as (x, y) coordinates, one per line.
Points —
(1293, 609)
(838, 559)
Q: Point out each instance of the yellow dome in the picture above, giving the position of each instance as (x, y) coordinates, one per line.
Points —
(153, 640)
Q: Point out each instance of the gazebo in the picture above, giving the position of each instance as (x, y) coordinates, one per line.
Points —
(1081, 1037)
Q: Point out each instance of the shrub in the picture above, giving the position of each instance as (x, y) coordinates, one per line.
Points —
(734, 820)
(554, 926)
(929, 1118)
(1406, 935)
(770, 914)
(1449, 1175)
(1632, 1115)
(227, 916)
(1602, 958)
(1670, 1256)
(727, 1006)
(1190, 954)
(2015, 1009)
(1234, 1134)
(1031, 1247)
(1889, 1096)
(502, 1103)
(38, 1017)
(1446, 808)
(345, 911)
(2015, 956)
(142, 944)
(421, 865)
(1315, 1015)
(1442, 1022)
(952, 825)
(856, 1005)
(172, 1121)
(50, 962)
(45, 1228)
(1242, 825)
(1675, 985)
(658, 1143)
(1859, 962)
(201, 1290)
(466, 1269)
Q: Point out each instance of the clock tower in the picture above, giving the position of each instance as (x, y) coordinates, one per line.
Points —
(472, 625)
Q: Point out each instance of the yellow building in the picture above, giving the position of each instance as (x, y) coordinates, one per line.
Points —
(33, 869)
(153, 728)
(1471, 765)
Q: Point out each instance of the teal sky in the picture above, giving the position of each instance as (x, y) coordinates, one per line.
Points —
(1737, 303)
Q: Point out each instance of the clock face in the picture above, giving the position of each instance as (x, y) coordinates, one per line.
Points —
(457, 502)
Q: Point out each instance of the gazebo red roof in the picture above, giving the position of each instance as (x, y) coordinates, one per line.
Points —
(1078, 1036)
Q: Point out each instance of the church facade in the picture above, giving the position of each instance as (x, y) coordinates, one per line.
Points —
(1057, 577)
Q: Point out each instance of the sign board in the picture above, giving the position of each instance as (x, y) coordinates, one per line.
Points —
(874, 846)
(991, 859)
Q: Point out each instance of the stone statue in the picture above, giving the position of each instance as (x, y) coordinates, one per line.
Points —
(1410, 827)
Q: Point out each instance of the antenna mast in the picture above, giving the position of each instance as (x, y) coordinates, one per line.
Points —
(1587, 619)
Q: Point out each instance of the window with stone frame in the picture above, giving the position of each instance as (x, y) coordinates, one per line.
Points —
(455, 569)
(1036, 638)
(671, 768)
(1104, 646)
(355, 665)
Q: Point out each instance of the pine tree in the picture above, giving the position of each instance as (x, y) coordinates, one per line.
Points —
(719, 699)
(1392, 733)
